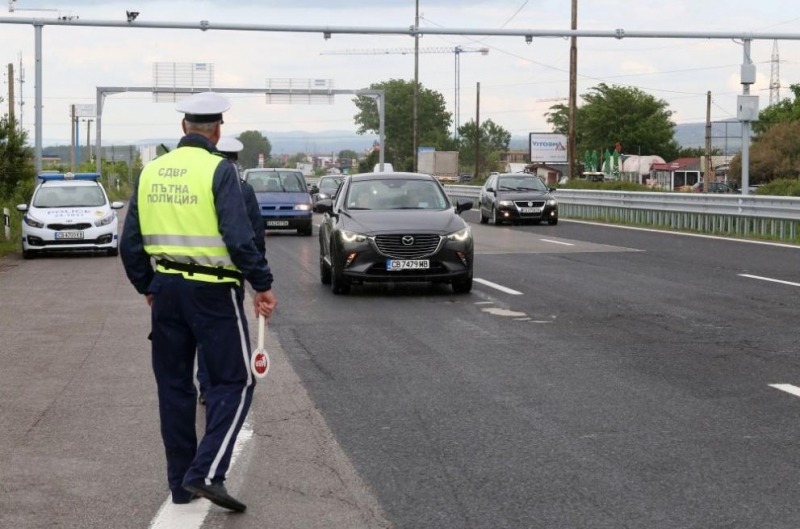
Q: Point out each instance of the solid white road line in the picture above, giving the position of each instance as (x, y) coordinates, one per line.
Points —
(501, 288)
(192, 515)
(788, 388)
(771, 280)
(557, 242)
(680, 233)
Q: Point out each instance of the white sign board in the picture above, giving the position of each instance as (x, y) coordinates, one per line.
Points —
(85, 111)
(548, 147)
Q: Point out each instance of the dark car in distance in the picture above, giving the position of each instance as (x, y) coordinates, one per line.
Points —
(325, 188)
(517, 198)
(394, 227)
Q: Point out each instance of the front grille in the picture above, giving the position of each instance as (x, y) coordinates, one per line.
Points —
(277, 208)
(529, 203)
(80, 226)
(422, 245)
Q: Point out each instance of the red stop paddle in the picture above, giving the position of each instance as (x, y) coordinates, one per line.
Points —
(259, 360)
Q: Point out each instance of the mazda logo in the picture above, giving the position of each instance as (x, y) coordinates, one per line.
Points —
(407, 240)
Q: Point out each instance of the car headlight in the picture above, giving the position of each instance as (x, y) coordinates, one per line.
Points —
(350, 236)
(506, 203)
(551, 202)
(460, 236)
(30, 221)
(105, 221)
(302, 207)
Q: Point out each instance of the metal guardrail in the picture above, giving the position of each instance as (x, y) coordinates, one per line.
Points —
(720, 214)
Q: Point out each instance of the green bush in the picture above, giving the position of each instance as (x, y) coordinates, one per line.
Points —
(611, 185)
(789, 187)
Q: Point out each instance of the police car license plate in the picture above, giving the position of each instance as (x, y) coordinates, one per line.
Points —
(69, 235)
(407, 264)
(277, 223)
(530, 210)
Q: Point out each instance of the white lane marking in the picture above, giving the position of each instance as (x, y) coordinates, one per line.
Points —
(788, 388)
(192, 515)
(771, 280)
(484, 302)
(557, 242)
(504, 312)
(501, 288)
(702, 236)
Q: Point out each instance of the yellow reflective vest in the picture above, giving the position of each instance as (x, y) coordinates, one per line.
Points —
(177, 215)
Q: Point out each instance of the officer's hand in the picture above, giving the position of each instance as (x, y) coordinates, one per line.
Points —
(149, 298)
(265, 303)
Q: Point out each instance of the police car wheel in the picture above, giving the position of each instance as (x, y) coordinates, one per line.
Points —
(112, 252)
(28, 254)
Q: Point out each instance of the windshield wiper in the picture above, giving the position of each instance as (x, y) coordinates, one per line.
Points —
(506, 188)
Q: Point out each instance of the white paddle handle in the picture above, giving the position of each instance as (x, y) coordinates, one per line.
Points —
(261, 322)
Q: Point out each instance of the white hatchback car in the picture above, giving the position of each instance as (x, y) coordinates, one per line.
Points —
(69, 212)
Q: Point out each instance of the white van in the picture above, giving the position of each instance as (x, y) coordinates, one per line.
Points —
(387, 168)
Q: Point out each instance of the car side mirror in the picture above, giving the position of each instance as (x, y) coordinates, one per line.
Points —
(117, 205)
(325, 206)
(463, 206)
(552, 189)
(22, 207)
(314, 189)
(490, 190)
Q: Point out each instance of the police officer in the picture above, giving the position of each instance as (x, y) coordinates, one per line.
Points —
(229, 148)
(187, 213)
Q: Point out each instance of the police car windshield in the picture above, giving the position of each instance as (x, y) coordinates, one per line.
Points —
(69, 197)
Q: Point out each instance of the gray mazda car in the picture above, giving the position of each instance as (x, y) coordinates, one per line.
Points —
(394, 227)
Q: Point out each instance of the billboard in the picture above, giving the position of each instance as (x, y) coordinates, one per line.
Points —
(548, 147)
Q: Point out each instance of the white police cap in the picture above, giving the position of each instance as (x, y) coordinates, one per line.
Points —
(205, 107)
(228, 144)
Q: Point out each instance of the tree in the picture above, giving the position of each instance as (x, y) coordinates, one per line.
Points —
(348, 154)
(781, 112)
(618, 114)
(433, 120)
(16, 168)
(694, 152)
(254, 144)
(775, 153)
(494, 140)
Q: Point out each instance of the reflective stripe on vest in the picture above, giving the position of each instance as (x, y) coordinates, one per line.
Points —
(177, 214)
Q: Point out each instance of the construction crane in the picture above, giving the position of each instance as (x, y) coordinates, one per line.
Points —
(457, 51)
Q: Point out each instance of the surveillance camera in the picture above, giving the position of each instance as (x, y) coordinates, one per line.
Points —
(131, 15)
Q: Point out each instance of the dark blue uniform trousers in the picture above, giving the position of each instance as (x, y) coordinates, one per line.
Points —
(191, 317)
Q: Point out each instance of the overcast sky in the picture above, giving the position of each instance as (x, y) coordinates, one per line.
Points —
(519, 81)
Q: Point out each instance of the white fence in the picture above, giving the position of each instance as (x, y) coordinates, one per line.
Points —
(723, 214)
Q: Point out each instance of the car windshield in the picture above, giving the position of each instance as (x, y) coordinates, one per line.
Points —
(276, 181)
(520, 183)
(395, 194)
(69, 197)
(329, 185)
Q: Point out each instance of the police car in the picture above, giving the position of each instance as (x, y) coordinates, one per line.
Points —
(69, 212)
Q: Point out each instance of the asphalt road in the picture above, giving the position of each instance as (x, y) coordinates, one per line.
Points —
(596, 377)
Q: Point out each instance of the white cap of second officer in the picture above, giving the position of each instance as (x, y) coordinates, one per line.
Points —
(228, 144)
(205, 107)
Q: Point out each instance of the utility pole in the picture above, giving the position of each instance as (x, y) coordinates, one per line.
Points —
(89, 140)
(415, 139)
(573, 91)
(707, 168)
(11, 93)
(477, 130)
(72, 145)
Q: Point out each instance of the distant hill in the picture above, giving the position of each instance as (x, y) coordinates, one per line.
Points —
(334, 141)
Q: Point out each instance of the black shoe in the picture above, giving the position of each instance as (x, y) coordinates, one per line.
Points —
(184, 498)
(216, 494)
